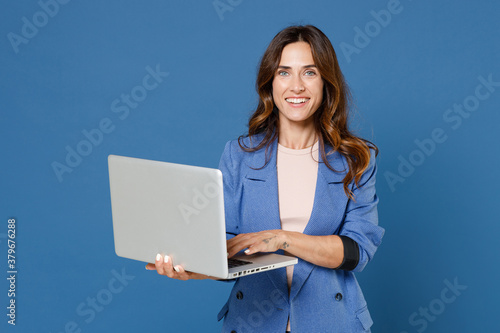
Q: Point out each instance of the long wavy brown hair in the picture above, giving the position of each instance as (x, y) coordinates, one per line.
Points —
(331, 118)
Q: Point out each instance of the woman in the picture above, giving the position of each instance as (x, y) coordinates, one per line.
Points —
(301, 184)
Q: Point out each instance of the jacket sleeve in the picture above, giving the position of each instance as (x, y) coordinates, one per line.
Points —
(361, 218)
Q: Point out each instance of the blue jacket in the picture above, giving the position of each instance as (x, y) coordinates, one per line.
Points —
(320, 299)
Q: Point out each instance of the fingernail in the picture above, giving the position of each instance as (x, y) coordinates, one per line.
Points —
(158, 257)
(247, 250)
(176, 268)
(166, 259)
(146, 267)
(227, 254)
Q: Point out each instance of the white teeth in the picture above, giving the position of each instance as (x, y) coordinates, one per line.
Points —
(296, 100)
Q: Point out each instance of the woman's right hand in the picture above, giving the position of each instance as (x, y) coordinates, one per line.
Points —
(164, 266)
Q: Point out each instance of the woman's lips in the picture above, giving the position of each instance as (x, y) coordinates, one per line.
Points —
(297, 101)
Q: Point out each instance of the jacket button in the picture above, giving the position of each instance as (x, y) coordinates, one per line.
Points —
(338, 297)
(239, 295)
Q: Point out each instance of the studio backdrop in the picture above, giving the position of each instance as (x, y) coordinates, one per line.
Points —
(174, 81)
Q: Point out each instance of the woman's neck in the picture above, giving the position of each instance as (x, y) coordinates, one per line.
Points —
(297, 139)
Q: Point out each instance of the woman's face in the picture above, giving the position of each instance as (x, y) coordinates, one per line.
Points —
(297, 86)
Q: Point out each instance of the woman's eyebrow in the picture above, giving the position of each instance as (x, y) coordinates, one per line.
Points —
(288, 67)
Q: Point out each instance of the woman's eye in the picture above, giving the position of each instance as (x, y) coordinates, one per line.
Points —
(282, 73)
(310, 73)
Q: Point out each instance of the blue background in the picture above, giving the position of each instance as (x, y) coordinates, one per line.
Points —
(440, 218)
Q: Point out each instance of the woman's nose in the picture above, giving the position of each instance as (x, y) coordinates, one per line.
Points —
(297, 85)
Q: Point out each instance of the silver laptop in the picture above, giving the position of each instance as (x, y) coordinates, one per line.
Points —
(177, 210)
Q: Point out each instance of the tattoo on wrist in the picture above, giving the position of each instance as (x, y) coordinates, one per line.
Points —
(285, 245)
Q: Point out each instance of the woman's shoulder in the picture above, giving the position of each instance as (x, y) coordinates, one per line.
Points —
(333, 154)
(238, 146)
(238, 156)
(339, 162)
(251, 141)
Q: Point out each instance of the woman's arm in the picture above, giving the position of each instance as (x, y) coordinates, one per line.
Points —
(326, 251)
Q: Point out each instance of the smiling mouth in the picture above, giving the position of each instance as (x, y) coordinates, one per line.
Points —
(296, 100)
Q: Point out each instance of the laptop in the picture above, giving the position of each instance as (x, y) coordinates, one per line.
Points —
(177, 210)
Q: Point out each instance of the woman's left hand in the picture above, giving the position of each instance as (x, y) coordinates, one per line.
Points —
(263, 241)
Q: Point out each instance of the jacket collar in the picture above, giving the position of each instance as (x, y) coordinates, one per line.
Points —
(259, 170)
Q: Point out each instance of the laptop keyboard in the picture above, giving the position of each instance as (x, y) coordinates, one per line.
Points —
(231, 263)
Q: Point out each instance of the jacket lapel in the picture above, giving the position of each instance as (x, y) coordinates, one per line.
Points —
(328, 212)
(261, 184)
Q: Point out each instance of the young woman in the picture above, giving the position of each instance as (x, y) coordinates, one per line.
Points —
(299, 183)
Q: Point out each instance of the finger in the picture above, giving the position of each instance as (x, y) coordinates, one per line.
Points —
(163, 265)
(244, 245)
(251, 242)
(251, 250)
(240, 243)
(159, 264)
(150, 266)
(230, 243)
(258, 246)
(235, 248)
(168, 267)
(181, 273)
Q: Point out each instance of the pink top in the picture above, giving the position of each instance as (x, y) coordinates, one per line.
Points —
(297, 174)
